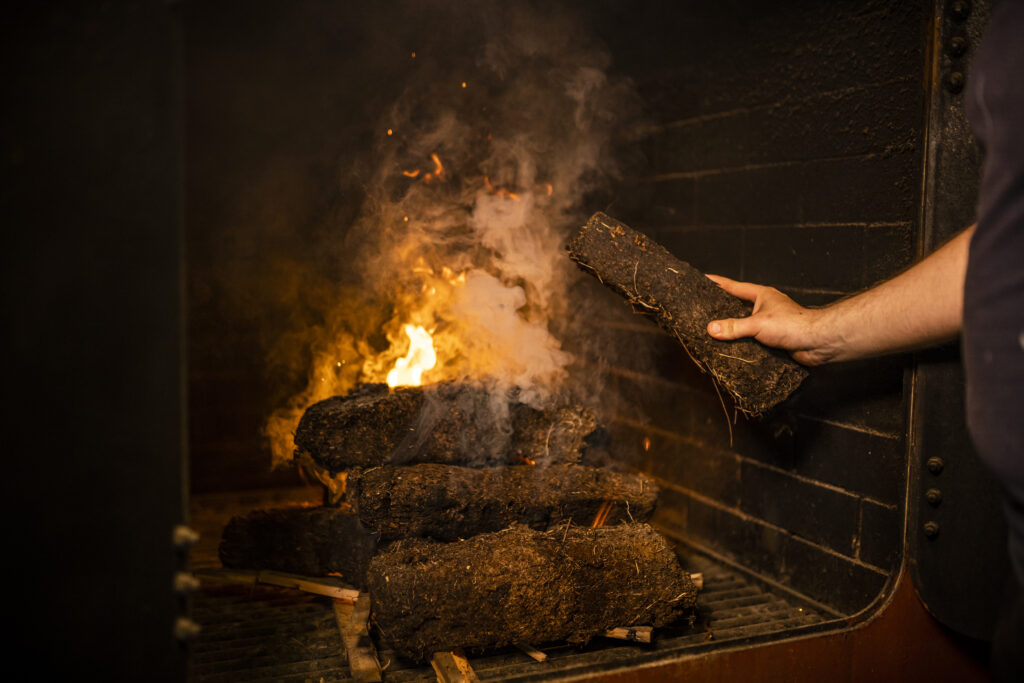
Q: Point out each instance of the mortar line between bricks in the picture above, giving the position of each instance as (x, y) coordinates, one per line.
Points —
(739, 111)
(634, 374)
(854, 427)
(697, 227)
(711, 502)
(675, 436)
(696, 175)
(816, 482)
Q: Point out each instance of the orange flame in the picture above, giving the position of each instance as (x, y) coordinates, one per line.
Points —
(438, 172)
(408, 371)
(500, 191)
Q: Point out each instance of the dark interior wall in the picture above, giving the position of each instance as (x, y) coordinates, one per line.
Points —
(786, 148)
(90, 142)
(282, 103)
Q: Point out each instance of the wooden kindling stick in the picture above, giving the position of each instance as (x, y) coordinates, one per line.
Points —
(532, 652)
(355, 635)
(634, 634)
(453, 667)
(320, 585)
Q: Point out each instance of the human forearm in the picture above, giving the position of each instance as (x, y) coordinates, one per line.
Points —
(919, 307)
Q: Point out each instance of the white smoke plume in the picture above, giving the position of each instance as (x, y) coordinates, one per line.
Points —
(481, 171)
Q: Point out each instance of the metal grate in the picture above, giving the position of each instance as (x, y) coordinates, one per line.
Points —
(256, 633)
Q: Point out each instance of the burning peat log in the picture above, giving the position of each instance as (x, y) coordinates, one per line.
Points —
(525, 586)
(452, 423)
(682, 301)
(449, 503)
(311, 541)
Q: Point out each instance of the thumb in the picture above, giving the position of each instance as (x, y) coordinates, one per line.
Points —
(734, 328)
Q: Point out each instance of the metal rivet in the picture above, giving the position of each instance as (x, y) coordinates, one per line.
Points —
(186, 629)
(933, 496)
(957, 46)
(955, 82)
(931, 529)
(935, 465)
(185, 583)
(960, 10)
(183, 537)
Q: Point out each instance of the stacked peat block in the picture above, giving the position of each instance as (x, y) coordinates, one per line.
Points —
(682, 301)
(470, 531)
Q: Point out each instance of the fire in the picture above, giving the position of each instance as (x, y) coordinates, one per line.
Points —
(408, 371)
(602, 513)
(500, 191)
(437, 174)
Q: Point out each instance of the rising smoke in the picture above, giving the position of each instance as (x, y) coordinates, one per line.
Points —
(481, 170)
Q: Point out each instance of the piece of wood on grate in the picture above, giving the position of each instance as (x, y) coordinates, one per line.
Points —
(683, 301)
(532, 652)
(453, 667)
(524, 586)
(448, 503)
(457, 423)
(320, 585)
(355, 636)
(634, 634)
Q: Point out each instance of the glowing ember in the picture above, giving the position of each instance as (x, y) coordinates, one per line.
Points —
(408, 371)
(500, 191)
(647, 443)
(602, 514)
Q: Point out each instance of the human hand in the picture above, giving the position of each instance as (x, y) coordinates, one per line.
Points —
(776, 321)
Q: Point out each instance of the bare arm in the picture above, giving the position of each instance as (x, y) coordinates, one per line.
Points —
(920, 307)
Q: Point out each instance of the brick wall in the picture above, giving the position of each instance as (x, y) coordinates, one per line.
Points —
(785, 147)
